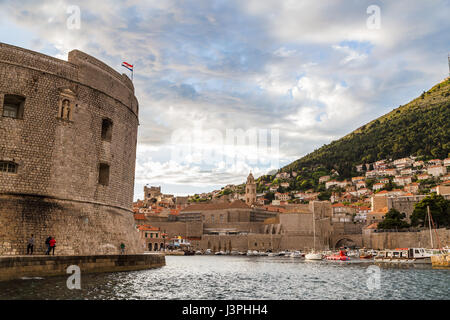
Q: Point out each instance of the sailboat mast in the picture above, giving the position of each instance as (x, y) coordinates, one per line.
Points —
(314, 231)
(429, 224)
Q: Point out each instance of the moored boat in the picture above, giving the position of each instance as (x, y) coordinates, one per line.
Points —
(404, 255)
(342, 256)
(313, 256)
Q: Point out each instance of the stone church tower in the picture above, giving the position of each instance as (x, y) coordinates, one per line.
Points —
(250, 190)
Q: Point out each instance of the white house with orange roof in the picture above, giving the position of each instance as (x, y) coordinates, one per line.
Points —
(435, 162)
(412, 187)
(356, 179)
(378, 186)
(360, 184)
(437, 170)
(402, 181)
(418, 163)
(447, 162)
(423, 176)
(384, 180)
(406, 172)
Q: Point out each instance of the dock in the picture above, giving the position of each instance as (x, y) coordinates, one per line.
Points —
(16, 267)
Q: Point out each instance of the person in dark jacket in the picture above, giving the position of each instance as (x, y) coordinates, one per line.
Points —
(30, 245)
(47, 244)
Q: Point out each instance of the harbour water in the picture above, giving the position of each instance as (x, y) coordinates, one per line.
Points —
(242, 277)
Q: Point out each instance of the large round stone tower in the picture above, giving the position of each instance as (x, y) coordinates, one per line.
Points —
(68, 133)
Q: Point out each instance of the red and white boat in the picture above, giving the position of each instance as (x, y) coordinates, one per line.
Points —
(342, 256)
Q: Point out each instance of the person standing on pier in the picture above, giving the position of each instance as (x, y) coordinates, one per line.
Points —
(52, 243)
(30, 245)
(122, 248)
(47, 243)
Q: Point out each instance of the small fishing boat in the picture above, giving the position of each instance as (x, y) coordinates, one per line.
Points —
(272, 254)
(198, 252)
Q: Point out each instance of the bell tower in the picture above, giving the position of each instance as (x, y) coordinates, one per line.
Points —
(250, 190)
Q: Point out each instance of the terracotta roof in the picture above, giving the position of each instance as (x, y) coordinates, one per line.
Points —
(372, 226)
(147, 227)
(139, 216)
(216, 206)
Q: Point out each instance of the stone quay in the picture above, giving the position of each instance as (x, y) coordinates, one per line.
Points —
(16, 267)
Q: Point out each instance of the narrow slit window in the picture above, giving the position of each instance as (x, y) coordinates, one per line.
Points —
(106, 129)
(103, 174)
(13, 106)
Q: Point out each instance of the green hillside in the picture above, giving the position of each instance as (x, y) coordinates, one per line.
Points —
(420, 128)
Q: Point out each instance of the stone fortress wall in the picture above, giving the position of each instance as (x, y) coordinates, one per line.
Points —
(73, 149)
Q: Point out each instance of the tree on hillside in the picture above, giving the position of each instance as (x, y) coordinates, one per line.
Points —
(269, 196)
(439, 209)
(393, 220)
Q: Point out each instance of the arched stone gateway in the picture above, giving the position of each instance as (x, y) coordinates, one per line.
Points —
(345, 242)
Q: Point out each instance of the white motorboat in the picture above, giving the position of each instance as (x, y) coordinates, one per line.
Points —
(272, 254)
(250, 253)
(234, 253)
(314, 256)
(296, 254)
(208, 252)
(404, 255)
(198, 252)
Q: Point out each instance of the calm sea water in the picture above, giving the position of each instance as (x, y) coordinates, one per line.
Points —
(241, 277)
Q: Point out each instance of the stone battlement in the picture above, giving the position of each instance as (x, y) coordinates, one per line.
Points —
(80, 67)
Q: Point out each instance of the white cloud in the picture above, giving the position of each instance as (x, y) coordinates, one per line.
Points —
(312, 70)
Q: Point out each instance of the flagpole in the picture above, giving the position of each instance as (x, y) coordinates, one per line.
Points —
(132, 72)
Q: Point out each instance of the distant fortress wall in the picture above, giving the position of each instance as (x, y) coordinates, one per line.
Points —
(68, 133)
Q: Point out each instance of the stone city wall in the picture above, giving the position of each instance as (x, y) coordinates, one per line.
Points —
(392, 240)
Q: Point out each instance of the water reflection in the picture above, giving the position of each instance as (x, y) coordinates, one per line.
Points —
(241, 277)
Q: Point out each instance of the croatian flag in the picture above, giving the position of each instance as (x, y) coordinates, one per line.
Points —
(128, 66)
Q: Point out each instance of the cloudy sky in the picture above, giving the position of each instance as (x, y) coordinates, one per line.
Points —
(226, 87)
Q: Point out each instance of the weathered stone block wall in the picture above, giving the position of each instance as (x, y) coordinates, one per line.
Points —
(59, 158)
(238, 242)
(392, 240)
(78, 228)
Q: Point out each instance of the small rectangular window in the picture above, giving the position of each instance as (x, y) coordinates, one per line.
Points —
(13, 106)
(106, 129)
(103, 174)
(8, 166)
